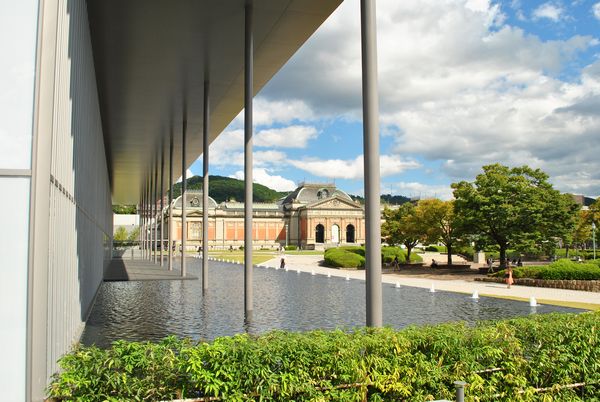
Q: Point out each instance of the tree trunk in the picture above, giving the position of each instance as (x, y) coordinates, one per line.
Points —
(503, 257)
(566, 251)
(408, 250)
(449, 249)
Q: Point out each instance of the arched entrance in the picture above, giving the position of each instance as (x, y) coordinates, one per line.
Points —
(335, 234)
(350, 234)
(320, 234)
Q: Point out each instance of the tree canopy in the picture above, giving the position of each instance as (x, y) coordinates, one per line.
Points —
(514, 207)
(403, 226)
(440, 223)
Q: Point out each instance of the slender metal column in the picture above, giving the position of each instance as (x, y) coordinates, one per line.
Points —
(148, 227)
(371, 162)
(146, 220)
(143, 221)
(248, 95)
(170, 225)
(205, 157)
(152, 214)
(183, 200)
(155, 205)
(162, 203)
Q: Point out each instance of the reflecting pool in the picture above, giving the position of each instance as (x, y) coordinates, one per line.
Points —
(282, 300)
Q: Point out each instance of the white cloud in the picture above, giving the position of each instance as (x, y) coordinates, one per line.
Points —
(294, 136)
(455, 90)
(551, 11)
(353, 168)
(267, 112)
(422, 191)
(188, 174)
(596, 10)
(228, 150)
(262, 176)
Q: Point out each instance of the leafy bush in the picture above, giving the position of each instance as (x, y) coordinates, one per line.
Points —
(563, 269)
(466, 251)
(291, 247)
(354, 256)
(345, 257)
(436, 249)
(376, 364)
(388, 254)
(587, 254)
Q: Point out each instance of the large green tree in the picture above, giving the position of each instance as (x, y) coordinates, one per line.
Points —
(440, 223)
(403, 225)
(594, 213)
(514, 207)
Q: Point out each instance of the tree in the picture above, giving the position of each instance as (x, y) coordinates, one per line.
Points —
(514, 207)
(134, 235)
(594, 213)
(582, 231)
(403, 226)
(120, 234)
(440, 223)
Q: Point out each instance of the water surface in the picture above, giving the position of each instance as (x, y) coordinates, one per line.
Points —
(151, 310)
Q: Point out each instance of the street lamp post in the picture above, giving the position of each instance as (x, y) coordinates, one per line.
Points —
(594, 238)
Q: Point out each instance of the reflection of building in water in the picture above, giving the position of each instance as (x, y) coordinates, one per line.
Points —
(312, 216)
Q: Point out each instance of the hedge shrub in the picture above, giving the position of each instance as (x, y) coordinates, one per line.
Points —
(354, 256)
(414, 364)
(436, 249)
(345, 257)
(291, 247)
(563, 269)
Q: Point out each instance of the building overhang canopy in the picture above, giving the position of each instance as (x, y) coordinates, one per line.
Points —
(152, 58)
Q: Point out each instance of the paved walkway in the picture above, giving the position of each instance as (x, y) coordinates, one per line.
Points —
(140, 270)
(310, 263)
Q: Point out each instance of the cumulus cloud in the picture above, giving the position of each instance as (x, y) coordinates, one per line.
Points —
(267, 112)
(353, 168)
(294, 136)
(596, 10)
(458, 85)
(551, 11)
(262, 176)
(422, 191)
(188, 174)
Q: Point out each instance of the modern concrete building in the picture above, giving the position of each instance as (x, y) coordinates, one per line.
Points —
(105, 101)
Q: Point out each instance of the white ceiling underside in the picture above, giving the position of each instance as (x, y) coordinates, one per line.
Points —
(152, 58)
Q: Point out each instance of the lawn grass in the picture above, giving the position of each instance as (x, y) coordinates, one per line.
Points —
(584, 306)
(258, 256)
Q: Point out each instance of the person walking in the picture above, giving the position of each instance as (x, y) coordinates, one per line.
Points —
(508, 276)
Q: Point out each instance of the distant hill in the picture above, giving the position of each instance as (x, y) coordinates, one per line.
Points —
(226, 188)
(385, 199)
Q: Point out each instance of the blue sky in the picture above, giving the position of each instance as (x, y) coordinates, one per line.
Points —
(463, 83)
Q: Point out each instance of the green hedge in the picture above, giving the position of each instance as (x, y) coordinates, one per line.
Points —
(291, 247)
(354, 256)
(345, 257)
(563, 269)
(414, 364)
(436, 249)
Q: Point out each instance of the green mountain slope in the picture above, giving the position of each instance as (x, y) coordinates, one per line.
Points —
(225, 188)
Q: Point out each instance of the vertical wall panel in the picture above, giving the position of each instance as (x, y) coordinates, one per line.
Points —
(80, 205)
(18, 31)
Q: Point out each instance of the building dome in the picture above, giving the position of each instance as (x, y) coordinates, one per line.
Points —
(194, 200)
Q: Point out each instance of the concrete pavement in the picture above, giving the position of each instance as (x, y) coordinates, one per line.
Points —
(311, 263)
